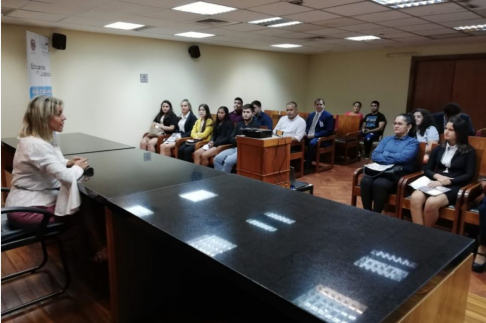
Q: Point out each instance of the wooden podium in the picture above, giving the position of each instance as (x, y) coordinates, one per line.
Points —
(266, 159)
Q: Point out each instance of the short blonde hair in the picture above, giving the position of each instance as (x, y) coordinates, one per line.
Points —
(36, 118)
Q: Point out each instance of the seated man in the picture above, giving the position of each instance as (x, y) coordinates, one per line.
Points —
(292, 125)
(235, 115)
(226, 159)
(263, 118)
(451, 110)
(319, 124)
(373, 126)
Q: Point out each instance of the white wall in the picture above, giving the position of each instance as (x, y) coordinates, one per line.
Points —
(98, 77)
(343, 78)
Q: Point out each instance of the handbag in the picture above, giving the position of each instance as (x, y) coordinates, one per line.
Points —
(155, 131)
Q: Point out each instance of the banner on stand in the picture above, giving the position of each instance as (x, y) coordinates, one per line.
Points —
(38, 65)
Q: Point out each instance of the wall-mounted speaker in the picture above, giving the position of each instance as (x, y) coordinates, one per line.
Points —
(194, 51)
(59, 41)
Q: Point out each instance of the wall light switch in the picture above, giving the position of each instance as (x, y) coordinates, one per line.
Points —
(143, 78)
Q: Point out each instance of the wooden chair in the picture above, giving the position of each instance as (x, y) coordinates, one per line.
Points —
(450, 212)
(303, 115)
(297, 157)
(183, 140)
(393, 199)
(272, 112)
(160, 139)
(469, 212)
(347, 139)
(328, 151)
(275, 119)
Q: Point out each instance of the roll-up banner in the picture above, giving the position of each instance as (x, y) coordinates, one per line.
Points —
(38, 65)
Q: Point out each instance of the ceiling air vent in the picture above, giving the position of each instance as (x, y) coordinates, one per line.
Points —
(212, 22)
(317, 38)
(143, 28)
(297, 2)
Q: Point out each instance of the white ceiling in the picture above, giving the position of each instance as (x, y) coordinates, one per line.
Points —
(326, 22)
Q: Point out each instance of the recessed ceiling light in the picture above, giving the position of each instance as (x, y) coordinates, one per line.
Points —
(471, 28)
(290, 23)
(124, 25)
(286, 46)
(362, 38)
(193, 34)
(402, 4)
(256, 22)
(204, 8)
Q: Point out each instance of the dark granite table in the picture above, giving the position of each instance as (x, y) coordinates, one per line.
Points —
(76, 144)
(315, 259)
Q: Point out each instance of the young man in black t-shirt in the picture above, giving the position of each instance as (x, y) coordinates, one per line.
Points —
(373, 126)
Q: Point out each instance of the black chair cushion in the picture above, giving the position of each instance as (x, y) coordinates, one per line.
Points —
(10, 234)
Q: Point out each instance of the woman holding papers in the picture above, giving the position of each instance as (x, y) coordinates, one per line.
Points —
(398, 152)
(451, 165)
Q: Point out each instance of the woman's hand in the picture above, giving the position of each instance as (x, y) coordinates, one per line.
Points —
(440, 177)
(71, 162)
(82, 162)
(434, 184)
(445, 182)
(210, 144)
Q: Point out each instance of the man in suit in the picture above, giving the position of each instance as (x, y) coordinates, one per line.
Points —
(263, 118)
(320, 123)
(451, 110)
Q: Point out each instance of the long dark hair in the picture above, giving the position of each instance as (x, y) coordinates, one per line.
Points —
(410, 120)
(226, 116)
(208, 115)
(161, 113)
(427, 121)
(462, 134)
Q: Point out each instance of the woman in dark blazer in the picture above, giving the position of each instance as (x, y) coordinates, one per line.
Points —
(186, 122)
(451, 165)
(223, 128)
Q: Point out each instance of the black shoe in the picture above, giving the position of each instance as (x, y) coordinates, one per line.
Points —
(478, 268)
(306, 171)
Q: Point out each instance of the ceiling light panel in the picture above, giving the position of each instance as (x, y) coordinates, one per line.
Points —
(287, 46)
(275, 22)
(471, 28)
(363, 38)
(402, 4)
(204, 8)
(124, 26)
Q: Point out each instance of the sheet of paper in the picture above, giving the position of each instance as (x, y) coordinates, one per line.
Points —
(422, 181)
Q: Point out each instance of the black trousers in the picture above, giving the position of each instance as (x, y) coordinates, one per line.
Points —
(185, 152)
(482, 222)
(377, 190)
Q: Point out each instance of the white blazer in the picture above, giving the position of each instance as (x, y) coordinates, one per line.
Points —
(39, 169)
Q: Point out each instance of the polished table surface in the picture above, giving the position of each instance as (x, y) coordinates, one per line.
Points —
(327, 261)
(128, 171)
(77, 143)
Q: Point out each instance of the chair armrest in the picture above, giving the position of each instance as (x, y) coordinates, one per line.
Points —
(328, 138)
(180, 141)
(356, 175)
(223, 147)
(200, 144)
(161, 139)
(351, 136)
(407, 179)
(471, 192)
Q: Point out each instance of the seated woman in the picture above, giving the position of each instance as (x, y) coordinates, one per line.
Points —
(202, 130)
(42, 177)
(223, 128)
(184, 127)
(452, 165)
(165, 122)
(355, 112)
(399, 150)
(426, 131)
(480, 262)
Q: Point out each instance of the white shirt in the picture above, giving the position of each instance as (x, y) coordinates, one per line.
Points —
(182, 122)
(291, 127)
(312, 130)
(448, 155)
(38, 168)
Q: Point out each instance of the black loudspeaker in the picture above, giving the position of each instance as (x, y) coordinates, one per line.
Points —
(194, 51)
(59, 41)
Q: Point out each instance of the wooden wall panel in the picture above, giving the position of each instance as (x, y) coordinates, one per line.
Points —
(432, 85)
(469, 89)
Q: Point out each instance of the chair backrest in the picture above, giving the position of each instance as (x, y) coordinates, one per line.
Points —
(272, 112)
(480, 143)
(420, 156)
(213, 115)
(481, 132)
(345, 125)
(275, 119)
(303, 115)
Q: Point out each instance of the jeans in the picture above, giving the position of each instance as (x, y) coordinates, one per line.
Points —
(368, 139)
(225, 160)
